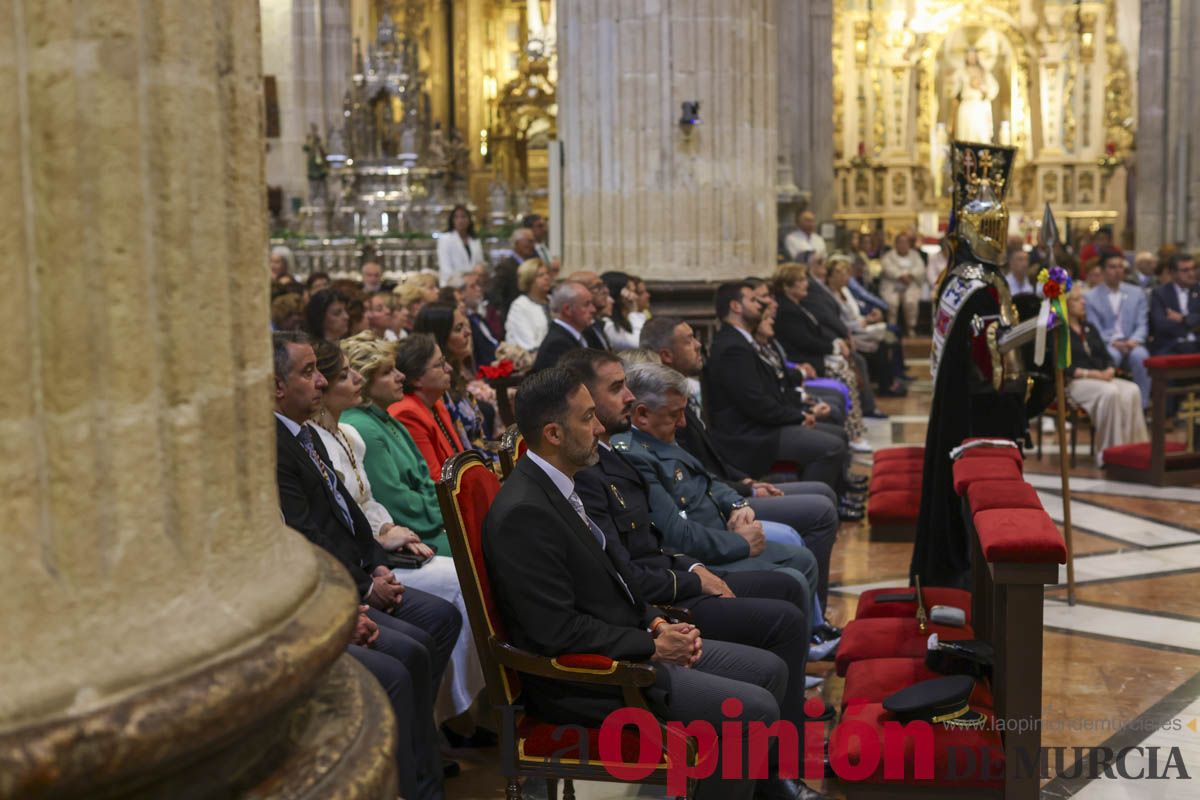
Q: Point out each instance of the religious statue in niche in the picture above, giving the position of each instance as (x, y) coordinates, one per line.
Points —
(974, 89)
(317, 166)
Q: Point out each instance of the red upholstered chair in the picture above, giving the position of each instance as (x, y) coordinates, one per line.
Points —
(966, 763)
(536, 748)
(888, 637)
(869, 607)
(988, 495)
(512, 447)
(969, 470)
(873, 679)
(884, 479)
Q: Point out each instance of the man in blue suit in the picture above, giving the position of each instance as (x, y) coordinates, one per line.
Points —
(1175, 309)
(1119, 313)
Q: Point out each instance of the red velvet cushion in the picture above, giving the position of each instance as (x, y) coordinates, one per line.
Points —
(969, 470)
(932, 595)
(586, 661)
(978, 755)
(873, 679)
(1020, 535)
(995, 452)
(537, 740)
(1137, 456)
(521, 446)
(891, 507)
(1166, 362)
(891, 637)
(900, 453)
(986, 495)
(897, 479)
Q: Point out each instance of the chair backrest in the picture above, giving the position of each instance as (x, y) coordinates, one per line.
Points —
(512, 447)
(466, 490)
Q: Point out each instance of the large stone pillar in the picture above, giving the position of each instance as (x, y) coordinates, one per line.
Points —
(161, 628)
(1168, 131)
(639, 193)
(805, 88)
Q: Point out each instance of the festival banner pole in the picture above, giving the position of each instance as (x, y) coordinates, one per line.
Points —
(1054, 302)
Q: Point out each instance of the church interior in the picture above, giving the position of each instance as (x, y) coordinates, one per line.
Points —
(786, 399)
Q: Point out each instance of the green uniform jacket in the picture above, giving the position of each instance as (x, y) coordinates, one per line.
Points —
(399, 475)
(679, 483)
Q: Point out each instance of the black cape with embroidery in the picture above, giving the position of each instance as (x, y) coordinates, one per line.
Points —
(964, 405)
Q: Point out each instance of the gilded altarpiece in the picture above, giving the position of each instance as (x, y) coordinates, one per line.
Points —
(1046, 76)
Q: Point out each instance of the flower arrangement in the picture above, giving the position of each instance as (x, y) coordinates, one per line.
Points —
(1053, 285)
(501, 369)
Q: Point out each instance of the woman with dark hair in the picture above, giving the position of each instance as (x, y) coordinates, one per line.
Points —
(458, 248)
(421, 410)
(326, 316)
(471, 402)
(617, 327)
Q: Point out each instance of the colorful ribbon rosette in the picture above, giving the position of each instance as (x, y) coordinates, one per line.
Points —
(1052, 286)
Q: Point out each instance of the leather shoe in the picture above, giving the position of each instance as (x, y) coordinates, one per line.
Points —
(849, 513)
(786, 789)
(859, 482)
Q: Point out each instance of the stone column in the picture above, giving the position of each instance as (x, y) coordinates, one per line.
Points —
(1168, 142)
(161, 627)
(640, 194)
(805, 90)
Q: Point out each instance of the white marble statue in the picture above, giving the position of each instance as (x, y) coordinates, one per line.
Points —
(974, 87)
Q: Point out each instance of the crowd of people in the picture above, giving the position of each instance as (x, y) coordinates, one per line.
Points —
(712, 479)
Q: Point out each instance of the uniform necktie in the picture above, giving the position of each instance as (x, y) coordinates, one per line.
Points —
(577, 504)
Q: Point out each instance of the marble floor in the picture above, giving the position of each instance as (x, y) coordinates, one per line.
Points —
(1121, 667)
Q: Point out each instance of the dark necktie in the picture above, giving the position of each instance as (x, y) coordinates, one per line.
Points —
(306, 441)
(577, 504)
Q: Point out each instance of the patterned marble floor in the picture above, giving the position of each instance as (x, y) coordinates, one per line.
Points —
(1121, 666)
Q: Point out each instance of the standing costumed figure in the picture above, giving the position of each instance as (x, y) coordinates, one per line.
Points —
(981, 387)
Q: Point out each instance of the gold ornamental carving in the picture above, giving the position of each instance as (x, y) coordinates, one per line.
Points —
(1118, 106)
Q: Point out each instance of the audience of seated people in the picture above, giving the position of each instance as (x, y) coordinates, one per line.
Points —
(716, 487)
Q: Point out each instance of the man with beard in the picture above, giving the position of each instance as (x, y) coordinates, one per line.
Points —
(764, 609)
(561, 591)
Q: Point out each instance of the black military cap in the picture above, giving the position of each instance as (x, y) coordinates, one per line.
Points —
(940, 701)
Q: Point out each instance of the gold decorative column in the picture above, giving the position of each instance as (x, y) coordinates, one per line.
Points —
(160, 628)
(641, 192)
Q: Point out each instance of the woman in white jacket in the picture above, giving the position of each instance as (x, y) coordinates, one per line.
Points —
(528, 317)
(458, 248)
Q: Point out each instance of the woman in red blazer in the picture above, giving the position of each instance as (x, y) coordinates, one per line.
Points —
(422, 412)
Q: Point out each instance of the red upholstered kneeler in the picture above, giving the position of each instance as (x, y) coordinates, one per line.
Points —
(988, 495)
(884, 480)
(932, 595)
(978, 755)
(872, 680)
(892, 514)
(899, 454)
(969, 470)
(1169, 362)
(1137, 456)
(890, 637)
(1020, 536)
(1010, 453)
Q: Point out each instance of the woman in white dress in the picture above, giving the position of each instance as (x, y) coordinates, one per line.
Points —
(464, 678)
(458, 248)
(528, 317)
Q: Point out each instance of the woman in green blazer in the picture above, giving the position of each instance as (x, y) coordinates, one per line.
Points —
(395, 467)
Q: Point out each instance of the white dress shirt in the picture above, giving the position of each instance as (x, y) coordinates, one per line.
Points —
(348, 464)
(798, 242)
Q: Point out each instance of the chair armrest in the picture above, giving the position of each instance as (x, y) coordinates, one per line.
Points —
(577, 668)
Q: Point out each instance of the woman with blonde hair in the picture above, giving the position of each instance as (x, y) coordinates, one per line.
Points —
(1114, 404)
(528, 317)
(399, 481)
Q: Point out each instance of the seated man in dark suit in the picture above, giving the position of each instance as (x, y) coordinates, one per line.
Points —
(761, 609)
(560, 590)
(420, 628)
(571, 324)
(1175, 310)
(755, 421)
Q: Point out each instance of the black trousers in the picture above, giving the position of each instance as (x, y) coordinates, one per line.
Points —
(768, 613)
